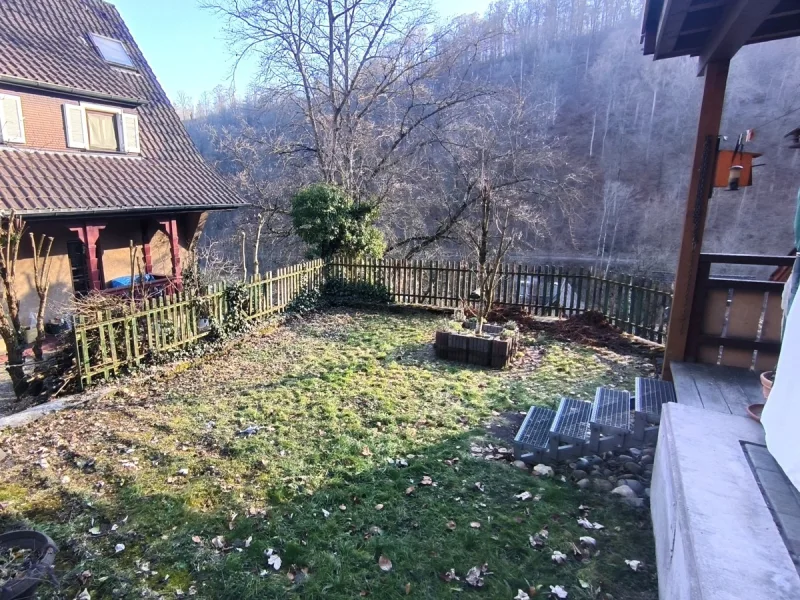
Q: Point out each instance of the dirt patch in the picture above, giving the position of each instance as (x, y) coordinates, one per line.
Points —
(591, 328)
(505, 426)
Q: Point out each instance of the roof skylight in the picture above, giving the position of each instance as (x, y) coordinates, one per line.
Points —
(113, 51)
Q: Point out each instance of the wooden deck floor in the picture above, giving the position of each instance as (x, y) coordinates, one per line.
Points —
(722, 389)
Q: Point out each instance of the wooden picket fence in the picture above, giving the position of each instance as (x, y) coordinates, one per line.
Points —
(636, 305)
(107, 344)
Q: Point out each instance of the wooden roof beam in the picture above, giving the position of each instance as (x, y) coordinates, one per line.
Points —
(741, 21)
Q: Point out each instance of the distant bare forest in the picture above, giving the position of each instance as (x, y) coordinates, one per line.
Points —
(547, 108)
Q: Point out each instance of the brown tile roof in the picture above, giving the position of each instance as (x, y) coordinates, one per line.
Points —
(47, 41)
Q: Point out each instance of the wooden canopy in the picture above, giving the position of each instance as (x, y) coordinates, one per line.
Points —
(714, 31)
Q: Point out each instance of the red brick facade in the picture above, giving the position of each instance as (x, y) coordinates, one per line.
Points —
(43, 116)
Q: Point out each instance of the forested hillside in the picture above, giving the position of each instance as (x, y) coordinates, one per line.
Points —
(546, 109)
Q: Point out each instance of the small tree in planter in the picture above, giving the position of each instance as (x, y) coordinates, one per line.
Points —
(510, 173)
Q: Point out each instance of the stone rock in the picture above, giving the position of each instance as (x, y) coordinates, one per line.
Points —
(596, 460)
(607, 472)
(649, 452)
(635, 485)
(624, 491)
(519, 464)
(3, 455)
(632, 467)
(647, 459)
(634, 452)
(585, 483)
(611, 463)
(583, 464)
(624, 458)
(577, 475)
(646, 492)
(634, 502)
(543, 470)
(603, 485)
(648, 469)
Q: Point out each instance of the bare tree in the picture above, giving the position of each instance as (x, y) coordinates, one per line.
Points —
(11, 233)
(508, 178)
(363, 81)
(41, 280)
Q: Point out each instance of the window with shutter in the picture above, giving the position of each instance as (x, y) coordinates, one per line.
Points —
(75, 126)
(12, 127)
(130, 133)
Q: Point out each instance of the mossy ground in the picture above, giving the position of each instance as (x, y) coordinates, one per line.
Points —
(336, 396)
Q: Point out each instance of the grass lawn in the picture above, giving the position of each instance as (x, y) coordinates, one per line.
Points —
(160, 467)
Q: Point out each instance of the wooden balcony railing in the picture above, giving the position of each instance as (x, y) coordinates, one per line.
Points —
(735, 321)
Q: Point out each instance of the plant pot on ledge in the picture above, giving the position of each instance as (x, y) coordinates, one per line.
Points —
(755, 410)
(487, 351)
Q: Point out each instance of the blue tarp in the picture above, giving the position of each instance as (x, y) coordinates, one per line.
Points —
(122, 282)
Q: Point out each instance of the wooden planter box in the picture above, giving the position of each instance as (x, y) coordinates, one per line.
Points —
(482, 351)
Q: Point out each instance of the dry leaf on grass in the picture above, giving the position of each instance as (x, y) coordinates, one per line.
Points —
(365, 451)
(522, 596)
(218, 542)
(474, 578)
(475, 525)
(523, 496)
(587, 524)
(557, 591)
(379, 507)
(273, 560)
(558, 557)
(410, 490)
(426, 480)
(449, 576)
(635, 565)
(384, 563)
(197, 539)
(451, 525)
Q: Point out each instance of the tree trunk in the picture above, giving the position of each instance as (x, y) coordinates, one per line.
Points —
(14, 351)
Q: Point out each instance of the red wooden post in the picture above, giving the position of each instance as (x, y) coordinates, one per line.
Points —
(171, 228)
(148, 254)
(89, 235)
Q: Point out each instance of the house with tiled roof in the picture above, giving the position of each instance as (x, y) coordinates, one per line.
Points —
(91, 151)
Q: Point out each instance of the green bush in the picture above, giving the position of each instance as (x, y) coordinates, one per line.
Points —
(340, 292)
(309, 299)
(331, 222)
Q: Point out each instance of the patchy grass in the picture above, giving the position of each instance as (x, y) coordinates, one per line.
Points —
(336, 397)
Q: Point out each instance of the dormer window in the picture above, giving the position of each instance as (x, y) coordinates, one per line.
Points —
(101, 128)
(113, 51)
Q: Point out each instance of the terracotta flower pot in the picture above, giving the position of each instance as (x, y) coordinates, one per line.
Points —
(767, 379)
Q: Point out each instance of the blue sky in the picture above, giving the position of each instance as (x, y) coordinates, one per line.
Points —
(186, 49)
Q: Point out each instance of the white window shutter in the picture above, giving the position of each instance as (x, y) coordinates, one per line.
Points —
(130, 133)
(75, 126)
(12, 126)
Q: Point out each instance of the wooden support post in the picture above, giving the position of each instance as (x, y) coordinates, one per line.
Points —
(146, 251)
(171, 228)
(89, 234)
(700, 188)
